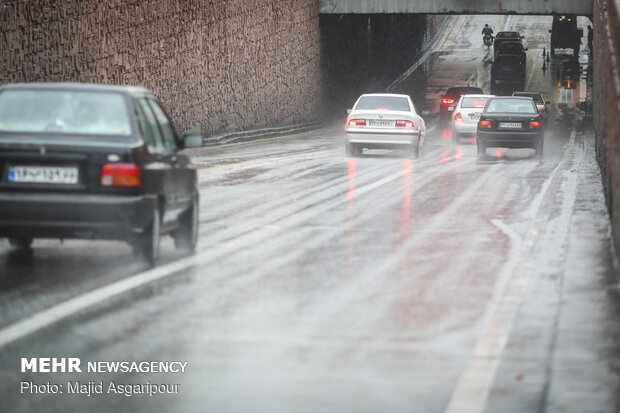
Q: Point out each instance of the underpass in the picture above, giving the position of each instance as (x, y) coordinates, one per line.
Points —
(379, 283)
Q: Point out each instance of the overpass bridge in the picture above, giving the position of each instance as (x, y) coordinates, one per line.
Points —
(536, 7)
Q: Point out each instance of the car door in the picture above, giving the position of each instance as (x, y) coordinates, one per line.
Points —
(159, 167)
(185, 173)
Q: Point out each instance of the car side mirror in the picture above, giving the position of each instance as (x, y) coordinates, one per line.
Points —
(192, 141)
(525, 50)
(523, 37)
(349, 111)
(549, 30)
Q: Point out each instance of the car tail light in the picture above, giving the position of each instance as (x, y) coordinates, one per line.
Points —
(121, 174)
(357, 122)
(447, 101)
(458, 117)
(542, 111)
(484, 124)
(535, 124)
(404, 124)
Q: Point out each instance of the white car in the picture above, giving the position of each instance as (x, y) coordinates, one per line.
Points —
(384, 121)
(466, 115)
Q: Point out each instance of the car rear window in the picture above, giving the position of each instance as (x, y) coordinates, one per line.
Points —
(537, 98)
(507, 60)
(383, 103)
(474, 102)
(518, 105)
(64, 112)
(455, 92)
(507, 35)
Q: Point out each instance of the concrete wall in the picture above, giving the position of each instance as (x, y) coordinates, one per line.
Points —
(606, 103)
(215, 64)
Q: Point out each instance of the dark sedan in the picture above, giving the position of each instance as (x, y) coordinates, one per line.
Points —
(450, 99)
(507, 36)
(510, 122)
(512, 48)
(94, 162)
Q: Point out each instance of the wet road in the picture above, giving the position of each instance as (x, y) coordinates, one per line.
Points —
(335, 284)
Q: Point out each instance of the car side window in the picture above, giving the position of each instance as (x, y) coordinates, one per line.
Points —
(165, 125)
(151, 131)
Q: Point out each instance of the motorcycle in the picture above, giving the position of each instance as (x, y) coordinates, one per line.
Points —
(488, 40)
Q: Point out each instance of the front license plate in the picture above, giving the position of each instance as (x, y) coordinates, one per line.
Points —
(43, 174)
(380, 123)
(510, 125)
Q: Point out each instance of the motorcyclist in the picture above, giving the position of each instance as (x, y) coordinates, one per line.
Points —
(487, 31)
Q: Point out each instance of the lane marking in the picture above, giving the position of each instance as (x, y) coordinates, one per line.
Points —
(474, 386)
(266, 160)
(450, 34)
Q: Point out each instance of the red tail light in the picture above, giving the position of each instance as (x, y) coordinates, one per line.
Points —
(404, 123)
(121, 174)
(484, 124)
(458, 117)
(535, 124)
(447, 101)
(357, 122)
(542, 111)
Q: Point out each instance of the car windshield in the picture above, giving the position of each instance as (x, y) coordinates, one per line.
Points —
(64, 112)
(383, 103)
(474, 102)
(517, 105)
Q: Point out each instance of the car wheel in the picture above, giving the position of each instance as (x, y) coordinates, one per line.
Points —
(21, 243)
(455, 136)
(358, 151)
(147, 246)
(349, 149)
(482, 150)
(186, 236)
(552, 50)
(539, 150)
(415, 150)
(576, 51)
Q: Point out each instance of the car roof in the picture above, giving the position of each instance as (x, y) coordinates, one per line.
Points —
(523, 92)
(510, 43)
(507, 34)
(477, 95)
(507, 56)
(93, 87)
(397, 95)
(511, 97)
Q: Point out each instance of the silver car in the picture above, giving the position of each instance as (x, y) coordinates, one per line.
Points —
(466, 114)
(383, 121)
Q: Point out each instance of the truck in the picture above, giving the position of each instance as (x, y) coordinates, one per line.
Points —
(565, 34)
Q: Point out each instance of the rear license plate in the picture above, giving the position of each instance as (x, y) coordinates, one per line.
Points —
(43, 174)
(380, 123)
(509, 125)
(474, 116)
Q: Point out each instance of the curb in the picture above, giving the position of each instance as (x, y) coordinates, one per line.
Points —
(257, 134)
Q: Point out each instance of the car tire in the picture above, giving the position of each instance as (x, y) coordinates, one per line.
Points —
(576, 51)
(21, 243)
(415, 150)
(455, 136)
(349, 149)
(482, 150)
(539, 150)
(147, 246)
(186, 235)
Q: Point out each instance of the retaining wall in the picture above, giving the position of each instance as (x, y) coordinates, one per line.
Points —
(215, 64)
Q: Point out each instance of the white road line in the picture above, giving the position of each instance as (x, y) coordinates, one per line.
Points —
(472, 390)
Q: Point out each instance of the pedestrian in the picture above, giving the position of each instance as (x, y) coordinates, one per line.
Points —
(590, 38)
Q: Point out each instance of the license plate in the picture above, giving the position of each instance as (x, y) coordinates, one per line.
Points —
(43, 174)
(380, 123)
(510, 125)
(474, 116)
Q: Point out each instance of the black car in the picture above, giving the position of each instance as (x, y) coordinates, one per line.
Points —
(507, 68)
(451, 98)
(514, 48)
(94, 162)
(507, 36)
(510, 122)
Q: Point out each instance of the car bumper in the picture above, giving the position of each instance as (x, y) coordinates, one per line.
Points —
(509, 139)
(74, 215)
(383, 140)
(464, 128)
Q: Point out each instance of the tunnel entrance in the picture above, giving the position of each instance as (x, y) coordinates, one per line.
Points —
(364, 53)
